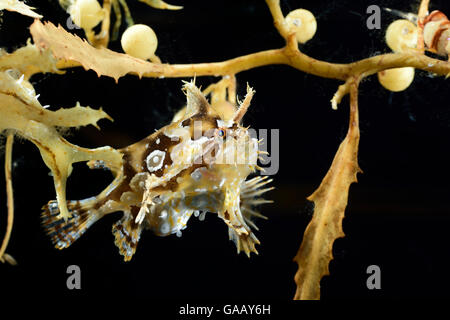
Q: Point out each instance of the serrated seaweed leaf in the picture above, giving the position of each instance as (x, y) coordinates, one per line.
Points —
(159, 4)
(69, 47)
(330, 201)
(20, 7)
(23, 114)
(29, 60)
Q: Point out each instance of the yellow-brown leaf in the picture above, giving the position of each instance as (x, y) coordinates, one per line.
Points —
(69, 47)
(20, 7)
(330, 201)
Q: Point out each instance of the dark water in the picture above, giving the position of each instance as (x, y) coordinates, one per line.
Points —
(398, 214)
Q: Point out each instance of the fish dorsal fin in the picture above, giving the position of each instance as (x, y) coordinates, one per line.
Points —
(243, 106)
(196, 101)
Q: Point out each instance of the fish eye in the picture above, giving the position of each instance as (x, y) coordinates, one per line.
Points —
(221, 132)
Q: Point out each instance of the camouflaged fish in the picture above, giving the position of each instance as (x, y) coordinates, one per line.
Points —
(198, 163)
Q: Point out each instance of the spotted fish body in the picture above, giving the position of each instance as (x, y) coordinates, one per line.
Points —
(198, 163)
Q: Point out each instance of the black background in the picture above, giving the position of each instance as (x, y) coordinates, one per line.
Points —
(398, 214)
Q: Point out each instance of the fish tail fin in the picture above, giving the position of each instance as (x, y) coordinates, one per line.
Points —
(64, 232)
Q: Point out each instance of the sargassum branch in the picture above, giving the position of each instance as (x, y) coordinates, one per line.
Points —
(330, 201)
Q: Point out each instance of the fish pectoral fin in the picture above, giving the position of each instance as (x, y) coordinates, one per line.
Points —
(127, 233)
(240, 232)
(244, 241)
